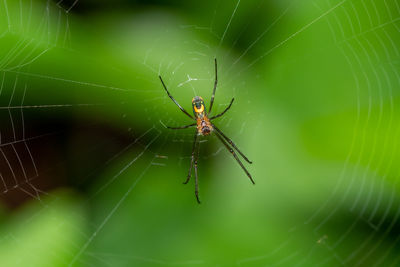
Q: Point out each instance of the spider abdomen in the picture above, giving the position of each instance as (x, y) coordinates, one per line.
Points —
(204, 126)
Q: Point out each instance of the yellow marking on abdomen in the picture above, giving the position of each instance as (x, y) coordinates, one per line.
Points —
(200, 110)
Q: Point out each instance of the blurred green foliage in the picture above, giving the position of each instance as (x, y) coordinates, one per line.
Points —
(316, 97)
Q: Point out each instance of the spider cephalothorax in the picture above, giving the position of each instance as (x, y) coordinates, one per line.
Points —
(206, 127)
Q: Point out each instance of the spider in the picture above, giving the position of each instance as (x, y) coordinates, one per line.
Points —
(206, 127)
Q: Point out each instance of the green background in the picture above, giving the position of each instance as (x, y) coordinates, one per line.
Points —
(316, 87)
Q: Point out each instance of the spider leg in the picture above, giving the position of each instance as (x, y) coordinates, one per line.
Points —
(192, 158)
(181, 127)
(235, 156)
(223, 112)
(231, 143)
(215, 86)
(173, 99)
(196, 190)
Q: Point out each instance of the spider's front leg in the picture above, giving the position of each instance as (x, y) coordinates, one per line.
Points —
(193, 161)
(192, 158)
(234, 155)
(231, 143)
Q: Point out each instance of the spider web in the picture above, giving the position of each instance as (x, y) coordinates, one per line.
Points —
(88, 169)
